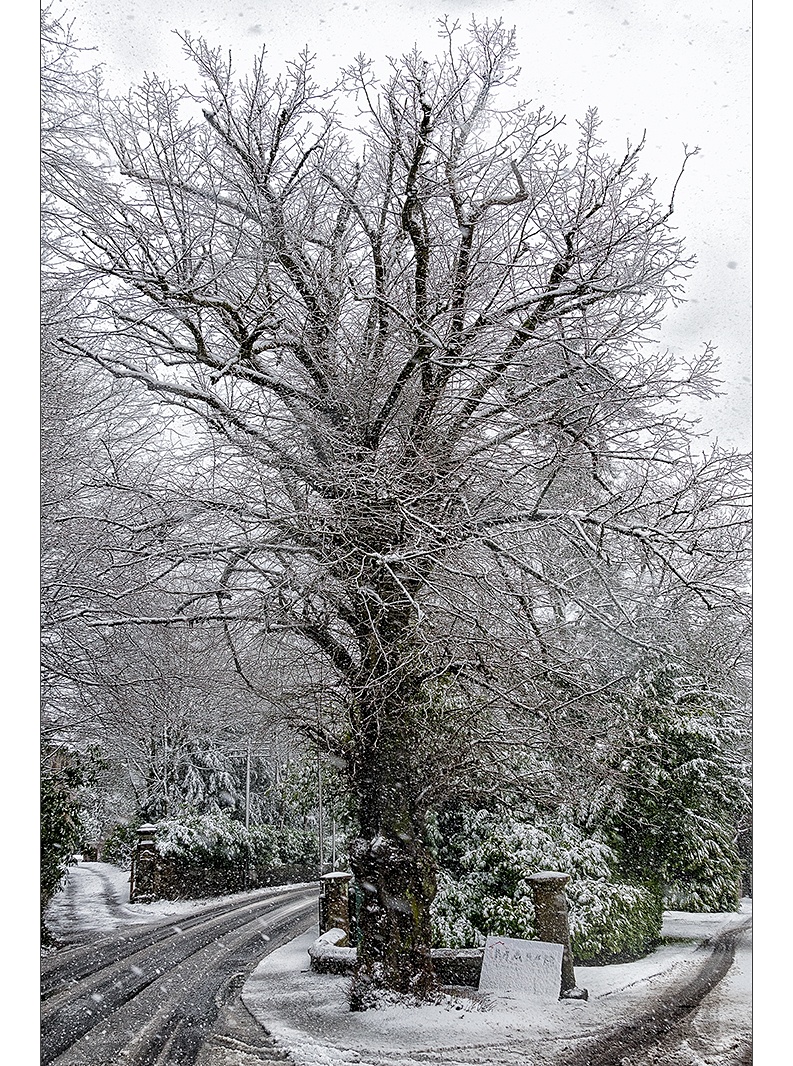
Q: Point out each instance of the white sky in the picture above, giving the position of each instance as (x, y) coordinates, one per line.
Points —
(679, 68)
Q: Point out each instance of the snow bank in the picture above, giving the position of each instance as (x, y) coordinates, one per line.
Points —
(329, 953)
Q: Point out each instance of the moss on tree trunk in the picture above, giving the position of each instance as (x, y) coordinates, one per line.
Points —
(396, 876)
(397, 879)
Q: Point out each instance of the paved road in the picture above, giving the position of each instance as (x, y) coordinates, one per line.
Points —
(160, 993)
(168, 993)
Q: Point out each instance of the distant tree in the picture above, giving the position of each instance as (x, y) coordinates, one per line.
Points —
(91, 427)
(442, 487)
(682, 797)
(68, 128)
(105, 478)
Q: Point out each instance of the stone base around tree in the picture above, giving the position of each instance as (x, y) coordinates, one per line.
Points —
(330, 953)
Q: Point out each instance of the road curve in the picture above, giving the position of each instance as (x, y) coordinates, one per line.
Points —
(151, 995)
(661, 1035)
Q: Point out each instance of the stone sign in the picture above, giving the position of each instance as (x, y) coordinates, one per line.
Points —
(529, 969)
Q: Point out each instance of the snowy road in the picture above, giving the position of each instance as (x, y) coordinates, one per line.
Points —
(686, 1004)
(693, 1022)
(170, 991)
(159, 992)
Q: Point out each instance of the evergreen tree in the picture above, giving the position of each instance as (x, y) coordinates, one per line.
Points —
(61, 822)
(683, 793)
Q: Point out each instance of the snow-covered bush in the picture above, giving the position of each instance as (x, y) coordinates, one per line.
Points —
(203, 777)
(452, 910)
(611, 920)
(297, 847)
(483, 887)
(119, 845)
(708, 877)
(61, 828)
(216, 840)
(264, 845)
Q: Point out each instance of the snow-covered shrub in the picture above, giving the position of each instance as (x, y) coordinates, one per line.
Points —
(297, 847)
(62, 831)
(483, 886)
(218, 841)
(706, 878)
(264, 844)
(119, 845)
(674, 818)
(610, 920)
(204, 777)
(455, 903)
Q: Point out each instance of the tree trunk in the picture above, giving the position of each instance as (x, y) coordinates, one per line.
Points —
(396, 876)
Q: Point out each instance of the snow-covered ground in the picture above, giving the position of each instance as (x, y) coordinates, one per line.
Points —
(309, 1016)
(95, 898)
(308, 1013)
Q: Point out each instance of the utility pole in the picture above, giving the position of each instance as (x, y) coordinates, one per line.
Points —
(248, 787)
(321, 827)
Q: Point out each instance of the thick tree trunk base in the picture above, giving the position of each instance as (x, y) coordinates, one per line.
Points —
(397, 880)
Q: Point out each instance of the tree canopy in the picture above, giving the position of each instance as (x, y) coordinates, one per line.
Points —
(431, 479)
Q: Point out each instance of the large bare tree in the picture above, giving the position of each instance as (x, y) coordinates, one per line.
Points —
(437, 471)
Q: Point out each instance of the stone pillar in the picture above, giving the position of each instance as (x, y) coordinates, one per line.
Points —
(553, 927)
(334, 904)
(143, 888)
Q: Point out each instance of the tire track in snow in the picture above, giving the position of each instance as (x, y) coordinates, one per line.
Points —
(649, 1038)
(146, 998)
(86, 885)
(82, 960)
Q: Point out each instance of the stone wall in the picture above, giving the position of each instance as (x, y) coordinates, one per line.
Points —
(156, 877)
(330, 953)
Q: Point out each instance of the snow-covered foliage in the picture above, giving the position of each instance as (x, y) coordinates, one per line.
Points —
(216, 840)
(656, 823)
(62, 830)
(206, 809)
(483, 888)
(119, 846)
(612, 920)
(204, 775)
(296, 846)
(683, 794)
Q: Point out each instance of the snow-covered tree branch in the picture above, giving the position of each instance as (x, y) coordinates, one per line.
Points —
(427, 451)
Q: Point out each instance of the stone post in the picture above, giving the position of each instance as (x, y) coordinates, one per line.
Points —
(334, 904)
(550, 908)
(142, 887)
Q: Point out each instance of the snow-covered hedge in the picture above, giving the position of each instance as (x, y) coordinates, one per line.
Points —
(483, 888)
(610, 920)
(216, 840)
(296, 846)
